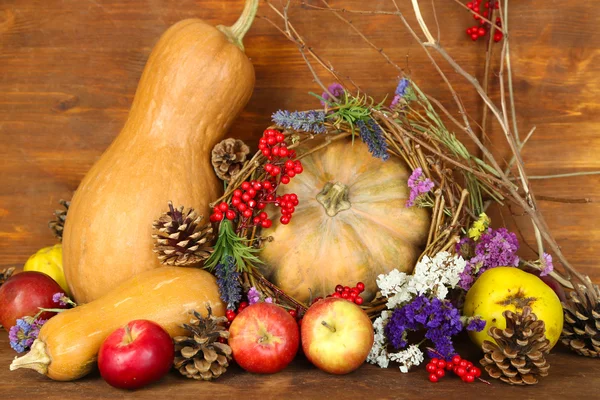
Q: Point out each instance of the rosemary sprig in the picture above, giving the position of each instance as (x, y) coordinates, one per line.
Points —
(230, 244)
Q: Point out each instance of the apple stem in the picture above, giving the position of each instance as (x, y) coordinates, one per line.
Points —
(128, 333)
(37, 359)
(325, 324)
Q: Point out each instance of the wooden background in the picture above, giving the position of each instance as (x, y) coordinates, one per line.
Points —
(69, 70)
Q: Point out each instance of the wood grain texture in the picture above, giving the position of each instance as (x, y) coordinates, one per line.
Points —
(302, 381)
(69, 70)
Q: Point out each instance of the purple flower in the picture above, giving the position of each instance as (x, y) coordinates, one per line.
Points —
(23, 334)
(268, 300)
(60, 298)
(228, 281)
(400, 91)
(418, 185)
(547, 264)
(307, 121)
(253, 296)
(372, 135)
(335, 89)
(475, 324)
(495, 248)
(439, 318)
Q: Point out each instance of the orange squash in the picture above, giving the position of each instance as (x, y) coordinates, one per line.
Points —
(350, 226)
(68, 344)
(196, 81)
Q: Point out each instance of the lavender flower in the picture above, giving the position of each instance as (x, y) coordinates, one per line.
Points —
(439, 318)
(253, 296)
(400, 91)
(495, 248)
(547, 264)
(418, 185)
(308, 121)
(60, 298)
(23, 334)
(268, 300)
(228, 281)
(335, 89)
(372, 135)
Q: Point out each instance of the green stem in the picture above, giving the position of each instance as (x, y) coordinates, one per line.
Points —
(236, 32)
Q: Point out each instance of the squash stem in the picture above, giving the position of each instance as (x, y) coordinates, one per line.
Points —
(236, 32)
(334, 198)
(37, 359)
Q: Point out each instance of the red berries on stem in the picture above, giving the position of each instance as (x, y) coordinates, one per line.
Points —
(465, 370)
(348, 293)
(252, 197)
(476, 32)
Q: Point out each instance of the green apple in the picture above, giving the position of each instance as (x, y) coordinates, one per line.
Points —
(508, 288)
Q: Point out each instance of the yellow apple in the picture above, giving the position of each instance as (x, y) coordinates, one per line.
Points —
(508, 288)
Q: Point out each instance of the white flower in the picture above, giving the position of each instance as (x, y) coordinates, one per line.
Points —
(378, 354)
(431, 275)
(408, 357)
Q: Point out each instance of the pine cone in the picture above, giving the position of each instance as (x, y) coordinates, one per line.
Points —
(58, 224)
(581, 331)
(200, 355)
(518, 356)
(180, 239)
(228, 158)
(5, 274)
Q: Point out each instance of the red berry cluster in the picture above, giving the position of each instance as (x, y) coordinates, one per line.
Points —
(231, 314)
(252, 197)
(462, 368)
(477, 31)
(348, 293)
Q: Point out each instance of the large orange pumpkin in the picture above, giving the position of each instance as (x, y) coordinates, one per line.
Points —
(350, 226)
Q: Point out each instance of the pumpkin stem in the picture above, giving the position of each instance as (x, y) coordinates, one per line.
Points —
(334, 198)
(236, 32)
(37, 359)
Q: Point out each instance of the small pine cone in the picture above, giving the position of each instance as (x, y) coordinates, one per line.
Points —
(581, 330)
(518, 356)
(5, 274)
(179, 239)
(58, 224)
(201, 355)
(228, 158)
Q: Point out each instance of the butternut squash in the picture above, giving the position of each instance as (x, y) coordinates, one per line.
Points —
(68, 344)
(196, 81)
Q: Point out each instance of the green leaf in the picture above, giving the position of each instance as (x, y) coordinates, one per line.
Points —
(230, 244)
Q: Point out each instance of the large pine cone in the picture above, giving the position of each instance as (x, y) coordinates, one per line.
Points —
(201, 355)
(518, 356)
(57, 225)
(581, 331)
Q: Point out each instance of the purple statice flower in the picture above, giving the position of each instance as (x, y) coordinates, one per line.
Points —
(372, 135)
(60, 298)
(439, 318)
(495, 248)
(400, 91)
(22, 335)
(418, 184)
(475, 324)
(335, 89)
(229, 282)
(253, 296)
(307, 121)
(268, 300)
(547, 264)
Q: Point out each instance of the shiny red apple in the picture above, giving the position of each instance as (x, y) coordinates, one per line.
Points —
(138, 354)
(264, 338)
(24, 294)
(337, 335)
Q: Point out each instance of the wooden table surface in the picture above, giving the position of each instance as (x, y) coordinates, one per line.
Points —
(69, 70)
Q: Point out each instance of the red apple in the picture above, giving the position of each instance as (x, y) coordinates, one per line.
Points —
(138, 354)
(337, 335)
(264, 338)
(24, 294)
